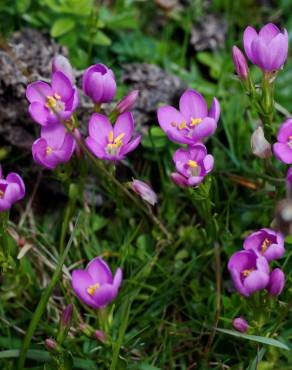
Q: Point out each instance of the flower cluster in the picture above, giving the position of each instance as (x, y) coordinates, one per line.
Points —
(53, 107)
(250, 269)
(189, 125)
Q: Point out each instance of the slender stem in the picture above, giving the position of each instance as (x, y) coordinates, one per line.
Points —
(42, 305)
(65, 226)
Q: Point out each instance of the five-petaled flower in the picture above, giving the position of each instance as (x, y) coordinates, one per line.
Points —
(268, 49)
(266, 242)
(96, 285)
(12, 189)
(283, 148)
(111, 142)
(55, 146)
(249, 272)
(52, 103)
(192, 165)
(192, 122)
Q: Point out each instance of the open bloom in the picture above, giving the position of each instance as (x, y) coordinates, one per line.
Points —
(239, 62)
(192, 165)
(12, 189)
(62, 64)
(96, 285)
(52, 103)
(192, 122)
(249, 272)
(145, 191)
(276, 283)
(267, 49)
(283, 148)
(266, 242)
(108, 142)
(240, 324)
(55, 146)
(99, 83)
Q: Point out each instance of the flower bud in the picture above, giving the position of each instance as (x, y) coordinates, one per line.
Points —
(259, 144)
(283, 216)
(99, 83)
(127, 102)
(276, 283)
(178, 179)
(51, 345)
(62, 64)
(240, 63)
(289, 183)
(67, 315)
(100, 335)
(145, 191)
(240, 324)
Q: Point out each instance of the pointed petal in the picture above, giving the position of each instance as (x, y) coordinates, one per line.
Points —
(193, 105)
(124, 125)
(283, 152)
(81, 280)
(167, 116)
(95, 148)
(248, 36)
(99, 271)
(99, 128)
(62, 86)
(38, 92)
(215, 110)
(132, 145)
(268, 32)
(39, 113)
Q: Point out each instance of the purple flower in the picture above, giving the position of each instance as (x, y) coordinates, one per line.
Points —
(127, 102)
(276, 283)
(55, 146)
(96, 285)
(192, 165)
(289, 176)
(62, 64)
(249, 272)
(267, 49)
(260, 145)
(266, 242)
(145, 191)
(191, 122)
(283, 148)
(108, 142)
(239, 62)
(240, 324)
(67, 315)
(99, 83)
(51, 103)
(12, 189)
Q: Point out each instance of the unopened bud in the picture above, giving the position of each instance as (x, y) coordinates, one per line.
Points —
(51, 345)
(259, 144)
(86, 329)
(145, 191)
(283, 219)
(240, 63)
(240, 324)
(100, 335)
(62, 64)
(67, 315)
(127, 102)
(276, 283)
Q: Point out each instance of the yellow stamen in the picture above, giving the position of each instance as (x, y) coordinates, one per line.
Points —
(51, 102)
(119, 138)
(1, 193)
(192, 164)
(265, 245)
(182, 125)
(111, 136)
(91, 290)
(49, 150)
(245, 273)
(195, 121)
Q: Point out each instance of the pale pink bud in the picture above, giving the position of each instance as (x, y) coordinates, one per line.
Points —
(62, 64)
(51, 345)
(127, 102)
(100, 335)
(240, 63)
(259, 144)
(240, 324)
(145, 191)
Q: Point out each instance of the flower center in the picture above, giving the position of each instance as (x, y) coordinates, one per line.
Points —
(54, 103)
(1, 194)
(92, 288)
(195, 121)
(185, 126)
(114, 144)
(265, 245)
(246, 272)
(290, 141)
(194, 168)
(49, 150)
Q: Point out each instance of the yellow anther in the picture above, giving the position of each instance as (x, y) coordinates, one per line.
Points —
(57, 96)
(91, 290)
(51, 102)
(290, 137)
(195, 121)
(173, 124)
(111, 136)
(49, 150)
(192, 164)
(182, 125)
(245, 273)
(265, 245)
(119, 138)
(1, 194)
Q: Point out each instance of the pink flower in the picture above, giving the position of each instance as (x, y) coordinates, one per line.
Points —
(145, 191)
(108, 142)
(52, 103)
(240, 324)
(283, 148)
(55, 146)
(62, 64)
(96, 285)
(192, 122)
(12, 189)
(239, 62)
(192, 165)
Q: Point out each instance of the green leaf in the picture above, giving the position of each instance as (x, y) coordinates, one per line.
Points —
(256, 338)
(62, 26)
(102, 39)
(156, 138)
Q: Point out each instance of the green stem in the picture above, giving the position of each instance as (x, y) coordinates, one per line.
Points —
(65, 226)
(42, 305)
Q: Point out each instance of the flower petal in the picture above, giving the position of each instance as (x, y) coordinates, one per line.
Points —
(118, 278)
(99, 128)
(208, 163)
(39, 113)
(38, 92)
(167, 116)
(13, 177)
(215, 110)
(181, 155)
(54, 135)
(193, 105)
(248, 36)
(178, 179)
(124, 125)
(278, 48)
(95, 148)
(283, 152)
(204, 129)
(268, 32)
(81, 280)
(132, 145)
(261, 54)
(62, 86)
(99, 271)
(195, 180)
(104, 295)
(256, 280)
